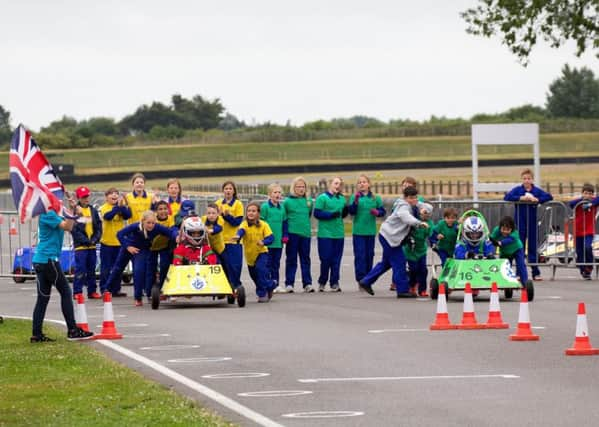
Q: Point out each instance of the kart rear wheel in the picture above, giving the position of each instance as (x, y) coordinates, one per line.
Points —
(508, 293)
(231, 299)
(17, 275)
(155, 297)
(240, 296)
(434, 284)
(126, 278)
(530, 290)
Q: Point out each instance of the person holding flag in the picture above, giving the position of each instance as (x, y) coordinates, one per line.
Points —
(37, 191)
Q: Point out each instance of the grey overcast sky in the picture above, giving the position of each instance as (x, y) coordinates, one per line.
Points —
(267, 60)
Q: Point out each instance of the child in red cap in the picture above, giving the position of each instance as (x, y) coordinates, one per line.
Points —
(86, 233)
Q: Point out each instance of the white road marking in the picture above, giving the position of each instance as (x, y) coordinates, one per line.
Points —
(537, 327)
(324, 414)
(170, 347)
(237, 375)
(188, 382)
(27, 289)
(550, 297)
(200, 359)
(381, 331)
(275, 393)
(91, 316)
(428, 377)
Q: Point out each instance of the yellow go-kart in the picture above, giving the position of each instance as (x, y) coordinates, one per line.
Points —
(197, 280)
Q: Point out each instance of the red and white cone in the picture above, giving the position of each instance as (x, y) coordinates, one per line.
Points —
(582, 342)
(524, 331)
(12, 230)
(80, 313)
(494, 321)
(469, 317)
(109, 331)
(442, 318)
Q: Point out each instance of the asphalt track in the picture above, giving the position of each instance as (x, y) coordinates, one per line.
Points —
(349, 359)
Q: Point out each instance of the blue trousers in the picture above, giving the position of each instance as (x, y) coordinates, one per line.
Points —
(418, 273)
(394, 259)
(85, 271)
(297, 246)
(443, 256)
(363, 255)
(584, 252)
(528, 232)
(140, 264)
(162, 258)
(274, 264)
(233, 257)
(47, 275)
(260, 274)
(108, 255)
(518, 258)
(330, 252)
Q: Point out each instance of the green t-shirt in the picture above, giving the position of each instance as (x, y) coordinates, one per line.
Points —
(274, 217)
(421, 236)
(364, 223)
(330, 228)
(509, 249)
(298, 211)
(450, 236)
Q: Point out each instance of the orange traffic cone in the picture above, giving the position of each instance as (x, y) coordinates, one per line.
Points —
(582, 343)
(13, 227)
(109, 331)
(442, 318)
(494, 320)
(80, 313)
(524, 332)
(468, 317)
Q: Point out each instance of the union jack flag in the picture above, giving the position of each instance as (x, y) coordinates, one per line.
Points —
(35, 186)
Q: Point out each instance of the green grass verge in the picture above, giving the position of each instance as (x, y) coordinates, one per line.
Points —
(208, 155)
(71, 384)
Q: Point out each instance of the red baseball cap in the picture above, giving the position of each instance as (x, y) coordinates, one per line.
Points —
(82, 192)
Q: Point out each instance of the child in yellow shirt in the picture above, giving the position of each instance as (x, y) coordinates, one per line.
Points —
(256, 235)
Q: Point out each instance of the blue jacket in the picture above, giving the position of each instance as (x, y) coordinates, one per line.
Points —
(132, 235)
(80, 236)
(462, 249)
(526, 213)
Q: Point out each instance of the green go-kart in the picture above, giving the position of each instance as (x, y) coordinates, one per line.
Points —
(480, 273)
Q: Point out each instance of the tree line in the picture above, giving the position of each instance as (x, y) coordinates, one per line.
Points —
(574, 94)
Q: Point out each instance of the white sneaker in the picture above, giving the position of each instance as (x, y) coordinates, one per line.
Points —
(308, 289)
(289, 289)
(280, 290)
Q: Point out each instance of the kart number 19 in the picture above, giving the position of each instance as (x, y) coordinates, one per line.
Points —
(215, 269)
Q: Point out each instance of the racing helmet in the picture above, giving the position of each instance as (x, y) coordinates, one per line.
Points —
(193, 230)
(473, 230)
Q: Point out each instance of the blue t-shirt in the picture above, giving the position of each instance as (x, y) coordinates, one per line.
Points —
(50, 237)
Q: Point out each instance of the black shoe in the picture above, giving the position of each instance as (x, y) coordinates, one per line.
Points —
(79, 334)
(366, 288)
(41, 338)
(119, 294)
(335, 288)
(406, 295)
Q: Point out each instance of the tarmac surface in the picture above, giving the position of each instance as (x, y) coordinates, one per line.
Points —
(350, 359)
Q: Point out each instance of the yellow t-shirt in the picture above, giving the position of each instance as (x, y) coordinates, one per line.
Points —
(160, 242)
(253, 234)
(235, 208)
(89, 227)
(217, 242)
(110, 226)
(174, 205)
(138, 205)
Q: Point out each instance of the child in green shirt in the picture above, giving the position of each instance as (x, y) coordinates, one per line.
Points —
(416, 254)
(507, 238)
(273, 213)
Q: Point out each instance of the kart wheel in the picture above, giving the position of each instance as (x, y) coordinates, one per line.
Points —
(240, 296)
(155, 297)
(434, 284)
(17, 278)
(126, 278)
(530, 290)
(231, 299)
(508, 293)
